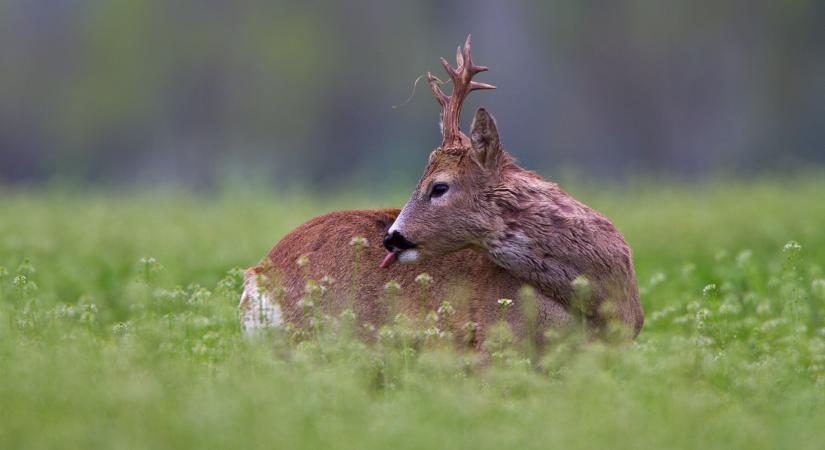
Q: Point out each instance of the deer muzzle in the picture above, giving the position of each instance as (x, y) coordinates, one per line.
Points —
(399, 249)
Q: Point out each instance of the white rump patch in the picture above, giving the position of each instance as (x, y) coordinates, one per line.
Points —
(257, 308)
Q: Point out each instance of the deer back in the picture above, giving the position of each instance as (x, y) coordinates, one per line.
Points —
(326, 252)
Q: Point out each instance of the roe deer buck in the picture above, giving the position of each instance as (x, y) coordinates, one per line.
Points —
(327, 247)
(474, 196)
(272, 289)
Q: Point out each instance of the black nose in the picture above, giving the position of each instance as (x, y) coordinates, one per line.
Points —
(395, 241)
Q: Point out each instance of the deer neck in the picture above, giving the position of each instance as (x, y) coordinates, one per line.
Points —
(546, 238)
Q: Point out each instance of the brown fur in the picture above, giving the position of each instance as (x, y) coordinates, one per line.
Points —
(526, 225)
(469, 280)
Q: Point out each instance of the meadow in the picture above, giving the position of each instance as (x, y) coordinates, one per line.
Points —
(118, 330)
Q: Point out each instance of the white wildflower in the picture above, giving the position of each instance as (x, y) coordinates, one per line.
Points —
(359, 242)
(709, 289)
(446, 309)
(424, 279)
(657, 279)
(392, 287)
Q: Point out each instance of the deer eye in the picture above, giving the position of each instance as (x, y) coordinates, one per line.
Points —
(438, 190)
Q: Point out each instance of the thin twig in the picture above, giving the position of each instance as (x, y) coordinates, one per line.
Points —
(415, 84)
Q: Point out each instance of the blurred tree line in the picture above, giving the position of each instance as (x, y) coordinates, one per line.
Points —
(116, 91)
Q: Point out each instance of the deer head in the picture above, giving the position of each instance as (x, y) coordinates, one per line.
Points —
(451, 208)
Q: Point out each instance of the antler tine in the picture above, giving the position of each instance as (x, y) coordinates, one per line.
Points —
(453, 73)
(440, 96)
(472, 69)
(461, 77)
(474, 85)
(468, 60)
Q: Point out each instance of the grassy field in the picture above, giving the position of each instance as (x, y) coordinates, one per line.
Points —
(118, 329)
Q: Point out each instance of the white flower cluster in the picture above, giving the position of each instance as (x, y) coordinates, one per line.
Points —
(359, 242)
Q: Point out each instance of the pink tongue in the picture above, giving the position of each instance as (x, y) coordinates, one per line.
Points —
(389, 259)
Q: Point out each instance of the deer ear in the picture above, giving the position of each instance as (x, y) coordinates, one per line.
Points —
(484, 137)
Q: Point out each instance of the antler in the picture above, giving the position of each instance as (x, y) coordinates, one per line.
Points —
(462, 77)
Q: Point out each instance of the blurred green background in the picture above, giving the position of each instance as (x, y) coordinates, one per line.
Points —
(150, 150)
(301, 94)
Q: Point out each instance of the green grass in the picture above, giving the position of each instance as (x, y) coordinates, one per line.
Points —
(118, 330)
